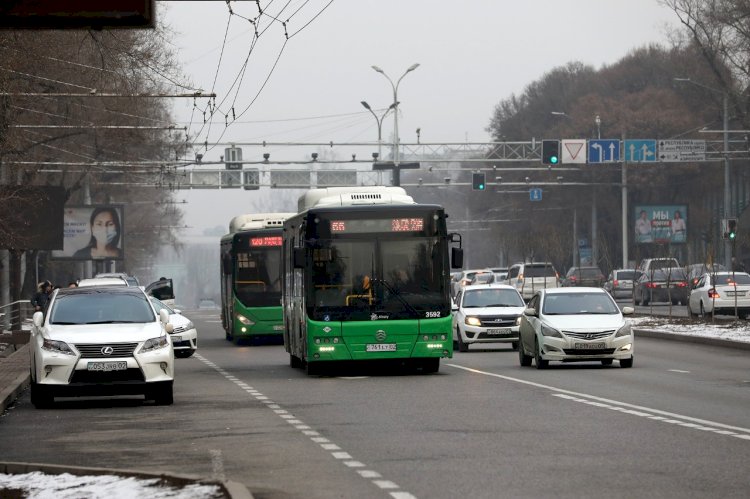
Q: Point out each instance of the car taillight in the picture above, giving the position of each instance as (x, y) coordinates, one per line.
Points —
(520, 277)
(713, 294)
(573, 278)
(651, 285)
(681, 284)
(615, 283)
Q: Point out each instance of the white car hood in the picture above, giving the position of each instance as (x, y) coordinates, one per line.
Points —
(585, 322)
(103, 333)
(178, 320)
(484, 311)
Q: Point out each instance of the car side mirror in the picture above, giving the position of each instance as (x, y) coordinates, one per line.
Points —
(628, 310)
(164, 316)
(530, 312)
(38, 319)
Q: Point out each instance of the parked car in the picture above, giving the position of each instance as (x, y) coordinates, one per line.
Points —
(620, 282)
(486, 313)
(721, 293)
(482, 278)
(101, 340)
(697, 270)
(584, 276)
(573, 325)
(184, 335)
(528, 278)
(662, 285)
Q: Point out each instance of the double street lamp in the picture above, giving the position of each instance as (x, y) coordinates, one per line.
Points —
(725, 112)
(379, 121)
(394, 86)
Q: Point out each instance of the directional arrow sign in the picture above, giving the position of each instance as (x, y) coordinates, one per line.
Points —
(604, 151)
(640, 151)
(682, 150)
(535, 194)
(573, 151)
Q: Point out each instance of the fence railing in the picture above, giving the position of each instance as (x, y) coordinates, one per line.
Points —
(14, 314)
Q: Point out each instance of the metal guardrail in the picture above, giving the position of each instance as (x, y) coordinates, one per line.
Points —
(14, 314)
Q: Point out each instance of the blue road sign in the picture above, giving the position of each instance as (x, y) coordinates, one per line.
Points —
(640, 151)
(604, 150)
(535, 194)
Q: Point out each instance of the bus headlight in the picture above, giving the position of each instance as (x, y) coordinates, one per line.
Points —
(244, 320)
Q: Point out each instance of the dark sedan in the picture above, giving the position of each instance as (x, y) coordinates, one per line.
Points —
(662, 285)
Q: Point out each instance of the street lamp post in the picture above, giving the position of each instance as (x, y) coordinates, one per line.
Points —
(379, 121)
(725, 112)
(396, 172)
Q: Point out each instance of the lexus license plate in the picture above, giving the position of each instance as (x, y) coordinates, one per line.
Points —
(107, 366)
(589, 346)
(380, 347)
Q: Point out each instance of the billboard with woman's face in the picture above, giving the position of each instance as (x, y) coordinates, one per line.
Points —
(92, 233)
(660, 224)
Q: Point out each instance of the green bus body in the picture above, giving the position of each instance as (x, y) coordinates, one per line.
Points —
(342, 296)
(250, 284)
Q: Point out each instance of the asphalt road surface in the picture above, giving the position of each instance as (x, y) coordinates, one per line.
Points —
(675, 425)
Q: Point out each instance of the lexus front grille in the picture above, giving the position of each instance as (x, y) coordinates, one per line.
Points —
(97, 350)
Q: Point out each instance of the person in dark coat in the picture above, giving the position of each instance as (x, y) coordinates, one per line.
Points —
(42, 296)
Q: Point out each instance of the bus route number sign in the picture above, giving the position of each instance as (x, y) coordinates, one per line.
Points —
(264, 241)
(378, 225)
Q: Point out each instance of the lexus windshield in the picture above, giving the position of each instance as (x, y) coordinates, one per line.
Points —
(101, 308)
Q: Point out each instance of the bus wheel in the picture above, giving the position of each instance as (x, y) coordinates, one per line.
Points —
(430, 366)
(294, 361)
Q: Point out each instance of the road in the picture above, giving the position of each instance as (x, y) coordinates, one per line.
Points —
(676, 425)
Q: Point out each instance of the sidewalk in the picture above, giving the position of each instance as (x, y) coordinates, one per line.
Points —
(14, 374)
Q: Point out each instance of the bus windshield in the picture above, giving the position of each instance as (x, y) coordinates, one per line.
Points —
(256, 277)
(393, 278)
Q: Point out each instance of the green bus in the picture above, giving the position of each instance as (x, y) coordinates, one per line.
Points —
(366, 276)
(250, 277)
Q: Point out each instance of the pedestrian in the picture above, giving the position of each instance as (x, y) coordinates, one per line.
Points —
(41, 297)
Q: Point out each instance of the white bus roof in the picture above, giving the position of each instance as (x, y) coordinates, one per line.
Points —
(353, 196)
(258, 221)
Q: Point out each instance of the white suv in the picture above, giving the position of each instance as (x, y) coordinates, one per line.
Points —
(528, 278)
(486, 313)
(648, 265)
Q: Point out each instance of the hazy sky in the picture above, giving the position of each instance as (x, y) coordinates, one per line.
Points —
(472, 54)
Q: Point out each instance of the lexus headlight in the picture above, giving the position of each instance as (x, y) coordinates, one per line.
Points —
(244, 320)
(155, 344)
(548, 331)
(624, 331)
(472, 321)
(57, 347)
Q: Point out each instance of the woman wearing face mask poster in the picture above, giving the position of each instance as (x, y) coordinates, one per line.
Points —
(105, 235)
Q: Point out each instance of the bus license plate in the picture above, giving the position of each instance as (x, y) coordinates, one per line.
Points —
(381, 347)
(589, 346)
(107, 366)
(502, 330)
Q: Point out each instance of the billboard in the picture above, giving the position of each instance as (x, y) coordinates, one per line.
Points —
(92, 233)
(660, 224)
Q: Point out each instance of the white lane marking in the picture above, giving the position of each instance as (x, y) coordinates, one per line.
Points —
(593, 400)
(679, 371)
(217, 465)
(335, 451)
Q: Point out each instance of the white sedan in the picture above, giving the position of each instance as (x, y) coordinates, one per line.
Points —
(486, 313)
(184, 336)
(573, 325)
(720, 293)
(101, 340)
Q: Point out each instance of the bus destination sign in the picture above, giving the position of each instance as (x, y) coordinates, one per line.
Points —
(378, 225)
(265, 241)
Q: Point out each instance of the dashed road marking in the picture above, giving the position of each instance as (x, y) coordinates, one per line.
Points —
(624, 407)
(335, 451)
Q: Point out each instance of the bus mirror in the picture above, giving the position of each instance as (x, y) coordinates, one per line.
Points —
(299, 258)
(457, 258)
(455, 237)
(226, 262)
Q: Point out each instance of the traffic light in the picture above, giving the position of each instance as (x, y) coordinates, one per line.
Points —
(731, 229)
(477, 181)
(550, 152)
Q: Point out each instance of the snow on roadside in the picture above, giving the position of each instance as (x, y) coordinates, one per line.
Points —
(721, 328)
(39, 485)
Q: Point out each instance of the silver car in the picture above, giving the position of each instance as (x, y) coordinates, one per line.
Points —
(574, 325)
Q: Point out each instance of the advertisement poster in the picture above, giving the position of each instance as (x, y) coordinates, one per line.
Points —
(92, 233)
(660, 224)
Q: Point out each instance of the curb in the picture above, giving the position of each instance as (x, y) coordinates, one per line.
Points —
(686, 338)
(10, 393)
(233, 490)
